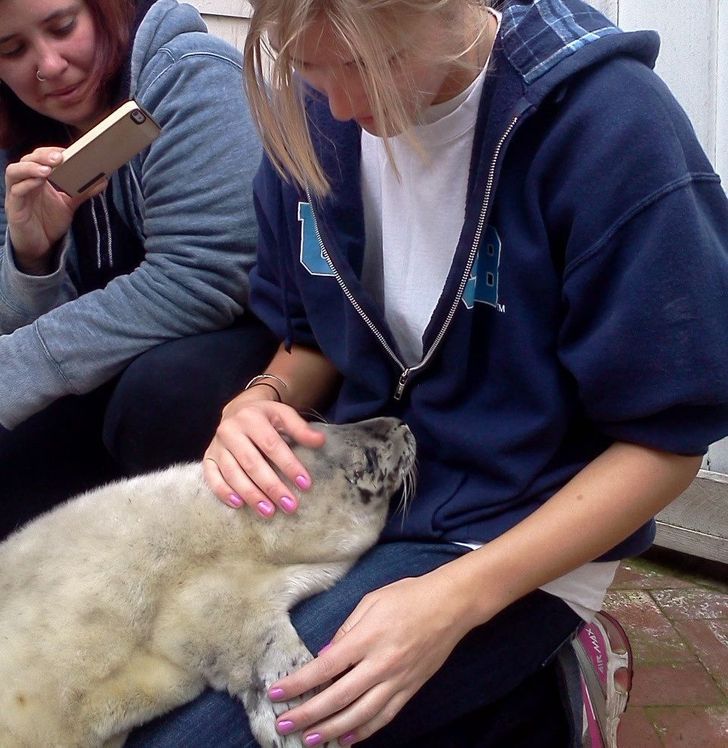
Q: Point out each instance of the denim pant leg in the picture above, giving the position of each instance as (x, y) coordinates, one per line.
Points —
(491, 662)
(168, 402)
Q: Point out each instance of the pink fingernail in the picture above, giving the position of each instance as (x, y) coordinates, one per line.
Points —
(285, 726)
(275, 693)
(325, 647)
(265, 508)
(313, 739)
(347, 739)
(288, 504)
(235, 500)
(303, 482)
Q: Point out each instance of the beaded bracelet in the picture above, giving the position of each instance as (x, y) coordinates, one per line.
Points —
(258, 380)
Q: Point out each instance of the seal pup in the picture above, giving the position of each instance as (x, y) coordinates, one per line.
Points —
(130, 599)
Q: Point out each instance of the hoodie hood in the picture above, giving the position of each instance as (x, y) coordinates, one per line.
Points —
(538, 36)
(161, 24)
(542, 45)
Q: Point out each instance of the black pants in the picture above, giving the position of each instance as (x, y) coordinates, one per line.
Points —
(162, 409)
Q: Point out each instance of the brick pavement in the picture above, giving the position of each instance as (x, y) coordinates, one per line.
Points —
(675, 610)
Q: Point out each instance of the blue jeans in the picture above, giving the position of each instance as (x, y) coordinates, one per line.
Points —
(498, 688)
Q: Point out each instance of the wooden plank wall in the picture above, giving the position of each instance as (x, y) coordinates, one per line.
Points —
(226, 18)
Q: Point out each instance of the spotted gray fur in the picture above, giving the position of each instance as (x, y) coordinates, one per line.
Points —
(129, 600)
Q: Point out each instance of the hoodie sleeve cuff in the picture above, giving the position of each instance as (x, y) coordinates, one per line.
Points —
(30, 379)
(26, 297)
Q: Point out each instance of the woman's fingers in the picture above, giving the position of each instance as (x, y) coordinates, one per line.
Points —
(375, 709)
(37, 164)
(216, 470)
(357, 704)
(20, 171)
(253, 478)
(219, 486)
(232, 486)
(51, 155)
(297, 428)
(250, 462)
(255, 450)
(26, 186)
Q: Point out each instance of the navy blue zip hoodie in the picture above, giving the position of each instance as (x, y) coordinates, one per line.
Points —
(588, 298)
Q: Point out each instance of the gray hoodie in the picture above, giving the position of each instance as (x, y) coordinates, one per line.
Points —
(187, 198)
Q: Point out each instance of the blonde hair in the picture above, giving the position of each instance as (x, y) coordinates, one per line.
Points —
(368, 29)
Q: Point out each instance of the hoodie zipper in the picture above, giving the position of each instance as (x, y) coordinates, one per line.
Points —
(98, 232)
(107, 218)
(349, 295)
(407, 371)
(97, 228)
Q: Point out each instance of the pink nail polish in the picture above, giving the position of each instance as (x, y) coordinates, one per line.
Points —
(275, 693)
(285, 726)
(303, 482)
(347, 739)
(235, 500)
(265, 508)
(288, 504)
(313, 739)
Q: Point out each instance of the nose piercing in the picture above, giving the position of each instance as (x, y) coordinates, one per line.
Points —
(39, 76)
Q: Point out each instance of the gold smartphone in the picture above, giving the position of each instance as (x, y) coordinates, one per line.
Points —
(104, 148)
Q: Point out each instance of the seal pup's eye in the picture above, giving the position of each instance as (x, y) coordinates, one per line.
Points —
(355, 477)
(358, 466)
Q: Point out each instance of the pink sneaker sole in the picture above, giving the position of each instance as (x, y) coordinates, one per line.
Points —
(605, 660)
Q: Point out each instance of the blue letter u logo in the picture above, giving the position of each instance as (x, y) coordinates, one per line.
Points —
(312, 257)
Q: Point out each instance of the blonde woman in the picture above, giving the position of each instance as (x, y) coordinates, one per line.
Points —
(500, 227)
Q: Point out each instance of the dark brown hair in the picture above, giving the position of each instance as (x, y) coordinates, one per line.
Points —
(22, 128)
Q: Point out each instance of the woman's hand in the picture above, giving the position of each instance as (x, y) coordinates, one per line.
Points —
(38, 215)
(248, 441)
(391, 644)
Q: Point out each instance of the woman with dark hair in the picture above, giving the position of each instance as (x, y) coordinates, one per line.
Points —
(122, 330)
(112, 23)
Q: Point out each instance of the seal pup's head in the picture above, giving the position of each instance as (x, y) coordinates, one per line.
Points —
(355, 474)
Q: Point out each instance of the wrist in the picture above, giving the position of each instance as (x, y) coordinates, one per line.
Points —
(40, 266)
(247, 397)
(475, 594)
(273, 382)
(45, 263)
(272, 391)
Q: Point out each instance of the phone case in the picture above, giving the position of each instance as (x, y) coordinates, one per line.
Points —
(104, 148)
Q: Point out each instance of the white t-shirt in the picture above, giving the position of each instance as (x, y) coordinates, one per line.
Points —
(413, 223)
